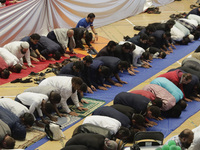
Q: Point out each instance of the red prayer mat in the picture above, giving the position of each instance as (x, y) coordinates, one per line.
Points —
(39, 66)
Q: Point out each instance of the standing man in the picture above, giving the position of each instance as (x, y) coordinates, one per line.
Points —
(88, 22)
(20, 49)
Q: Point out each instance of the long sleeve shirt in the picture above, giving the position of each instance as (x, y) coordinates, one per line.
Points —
(137, 53)
(34, 100)
(46, 90)
(13, 106)
(64, 85)
(15, 49)
(8, 57)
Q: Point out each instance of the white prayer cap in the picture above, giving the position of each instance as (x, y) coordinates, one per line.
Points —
(25, 45)
(191, 37)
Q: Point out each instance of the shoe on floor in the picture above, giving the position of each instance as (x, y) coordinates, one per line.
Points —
(16, 80)
(28, 80)
(42, 74)
(33, 74)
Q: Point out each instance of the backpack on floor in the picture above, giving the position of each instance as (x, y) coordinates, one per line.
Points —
(54, 131)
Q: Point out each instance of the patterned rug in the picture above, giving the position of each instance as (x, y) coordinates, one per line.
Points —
(31, 137)
(91, 106)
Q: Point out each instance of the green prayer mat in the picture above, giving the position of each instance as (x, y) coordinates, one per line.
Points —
(92, 105)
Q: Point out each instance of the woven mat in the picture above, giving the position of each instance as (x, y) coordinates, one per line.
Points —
(92, 105)
(31, 137)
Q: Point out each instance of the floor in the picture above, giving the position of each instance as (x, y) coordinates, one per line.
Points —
(115, 32)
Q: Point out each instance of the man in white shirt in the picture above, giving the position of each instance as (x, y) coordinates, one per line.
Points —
(196, 142)
(19, 110)
(184, 139)
(36, 101)
(103, 121)
(67, 87)
(20, 49)
(11, 60)
(51, 92)
(138, 53)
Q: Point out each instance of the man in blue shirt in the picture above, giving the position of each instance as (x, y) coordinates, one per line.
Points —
(33, 42)
(88, 22)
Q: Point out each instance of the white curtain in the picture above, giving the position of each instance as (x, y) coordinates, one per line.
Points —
(161, 2)
(41, 16)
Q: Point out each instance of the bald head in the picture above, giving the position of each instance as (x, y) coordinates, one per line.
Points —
(186, 137)
(70, 33)
(186, 133)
